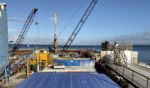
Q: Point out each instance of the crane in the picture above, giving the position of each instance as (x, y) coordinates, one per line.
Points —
(24, 31)
(80, 24)
(19, 41)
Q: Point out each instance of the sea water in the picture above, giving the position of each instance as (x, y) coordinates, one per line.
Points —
(143, 50)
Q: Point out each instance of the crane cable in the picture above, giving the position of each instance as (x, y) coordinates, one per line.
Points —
(70, 20)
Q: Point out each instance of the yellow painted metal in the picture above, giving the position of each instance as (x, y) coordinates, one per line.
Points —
(41, 57)
(27, 68)
(32, 61)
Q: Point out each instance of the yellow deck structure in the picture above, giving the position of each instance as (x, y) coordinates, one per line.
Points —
(41, 57)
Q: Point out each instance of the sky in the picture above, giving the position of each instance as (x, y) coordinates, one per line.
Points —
(114, 20)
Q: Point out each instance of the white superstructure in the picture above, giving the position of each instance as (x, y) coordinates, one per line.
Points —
(3, 35)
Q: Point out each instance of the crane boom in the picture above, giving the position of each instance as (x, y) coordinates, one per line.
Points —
(24, 31)
(80, 24)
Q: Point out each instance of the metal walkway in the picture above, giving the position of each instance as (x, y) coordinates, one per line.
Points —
(139, 76)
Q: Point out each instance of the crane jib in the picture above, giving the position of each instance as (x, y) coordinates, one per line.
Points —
(80, 24)
(24, 31)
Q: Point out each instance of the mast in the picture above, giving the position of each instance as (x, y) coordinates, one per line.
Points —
(55, 34)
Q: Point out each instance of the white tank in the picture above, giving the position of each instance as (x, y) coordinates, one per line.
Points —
(3, 35)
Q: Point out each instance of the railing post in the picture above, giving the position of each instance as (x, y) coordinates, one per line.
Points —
(132, 75)
(147, 83)
(123, 70)
(116, 67)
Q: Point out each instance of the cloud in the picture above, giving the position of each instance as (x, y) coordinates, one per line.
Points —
(141, 38)
(13, 34)
(45, 40)
(88, 41)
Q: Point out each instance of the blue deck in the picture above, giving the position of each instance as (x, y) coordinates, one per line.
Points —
(68, 80)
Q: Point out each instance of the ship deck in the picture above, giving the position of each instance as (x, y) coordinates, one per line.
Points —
(68, 80)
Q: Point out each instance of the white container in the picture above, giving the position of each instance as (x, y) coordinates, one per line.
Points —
(128, 56)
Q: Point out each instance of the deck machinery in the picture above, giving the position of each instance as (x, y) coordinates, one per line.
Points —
(66, 60)
(36, 60)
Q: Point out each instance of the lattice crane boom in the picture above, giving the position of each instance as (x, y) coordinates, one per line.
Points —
(24, 31)
(80, 24)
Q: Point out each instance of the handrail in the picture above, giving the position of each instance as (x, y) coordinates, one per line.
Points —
(132, 72)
